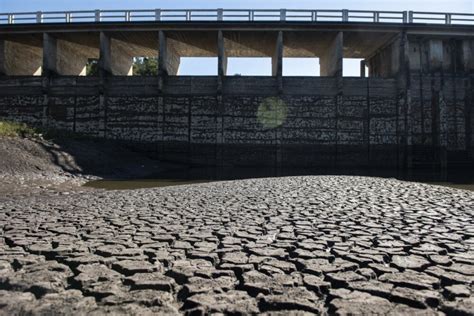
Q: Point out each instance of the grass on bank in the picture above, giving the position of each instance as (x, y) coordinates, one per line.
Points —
(15, 129)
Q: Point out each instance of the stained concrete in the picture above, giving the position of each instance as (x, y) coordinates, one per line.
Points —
(331, 61)
(415, 107)
(22, 55)
(169, 56)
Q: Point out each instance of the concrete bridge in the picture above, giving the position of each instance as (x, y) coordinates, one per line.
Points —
(414, 106)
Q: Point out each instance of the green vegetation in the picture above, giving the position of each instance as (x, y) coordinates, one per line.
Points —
(146, 66)
(92, 67)
(13, 129)
(271, 112)
(142, 66)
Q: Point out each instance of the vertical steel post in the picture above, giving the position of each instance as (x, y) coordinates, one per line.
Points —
(97, 15)
(405, 16)
(448, 18)
(345, 15)
(376, 17)
(282, 15)
(39, 17)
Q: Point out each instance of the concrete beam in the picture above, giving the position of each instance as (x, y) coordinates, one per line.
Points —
(193, 43)
(74, 52)
(114, 58)
(277, 58)
(122, 59)
(21, 56)
(168, 58)
(250, 44)
(221, 55)
(331, 60)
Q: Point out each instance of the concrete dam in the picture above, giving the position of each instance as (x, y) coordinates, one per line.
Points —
(414, 106)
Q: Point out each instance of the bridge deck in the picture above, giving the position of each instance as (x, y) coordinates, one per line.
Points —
(246, 15)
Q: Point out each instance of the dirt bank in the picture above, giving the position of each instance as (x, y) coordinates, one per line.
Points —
(30, 165)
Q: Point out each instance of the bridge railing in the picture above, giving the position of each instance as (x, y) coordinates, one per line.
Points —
(259, 15)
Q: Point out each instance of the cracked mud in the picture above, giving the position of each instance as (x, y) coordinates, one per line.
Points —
(280, 245)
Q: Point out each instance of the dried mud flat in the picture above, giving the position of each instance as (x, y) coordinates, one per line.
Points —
(325, 244)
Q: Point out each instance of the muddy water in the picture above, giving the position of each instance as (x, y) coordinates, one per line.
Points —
(459, 179)
(139, 183)
(469, 187)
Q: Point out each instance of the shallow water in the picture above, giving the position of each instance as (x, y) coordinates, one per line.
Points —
(139, 183)
(469, 187)
(459, 179)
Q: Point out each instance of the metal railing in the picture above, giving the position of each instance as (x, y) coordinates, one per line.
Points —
(240, 15)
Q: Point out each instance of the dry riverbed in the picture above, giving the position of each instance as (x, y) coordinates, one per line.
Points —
(310, 244)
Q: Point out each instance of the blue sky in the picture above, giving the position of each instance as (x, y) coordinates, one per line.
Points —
(260, 66)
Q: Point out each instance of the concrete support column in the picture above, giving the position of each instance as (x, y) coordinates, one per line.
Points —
(50, 55)
(404, 126)
(331, 60)
(3, 70)
(362, 68)
(221, 55)
(277, 59)
(105, 62)
(168, 58)
(435, 54)
(468, 55)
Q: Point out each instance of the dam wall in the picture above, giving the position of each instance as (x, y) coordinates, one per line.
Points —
(311, 122)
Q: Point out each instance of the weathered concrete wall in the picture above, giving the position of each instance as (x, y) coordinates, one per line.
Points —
(331, 59)
(251, 123)
(28, 50)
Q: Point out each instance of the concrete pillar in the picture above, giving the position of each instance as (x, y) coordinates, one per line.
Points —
(277, 59)
(221, 55)
(395, 53)
(435, 54)
(404, 128)
(3, 71)
(168, 58)
(105, 63)
(331, 60)
(114, 58)
(22, 57)
(467, 54)
(362, 68)
(50, 55)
